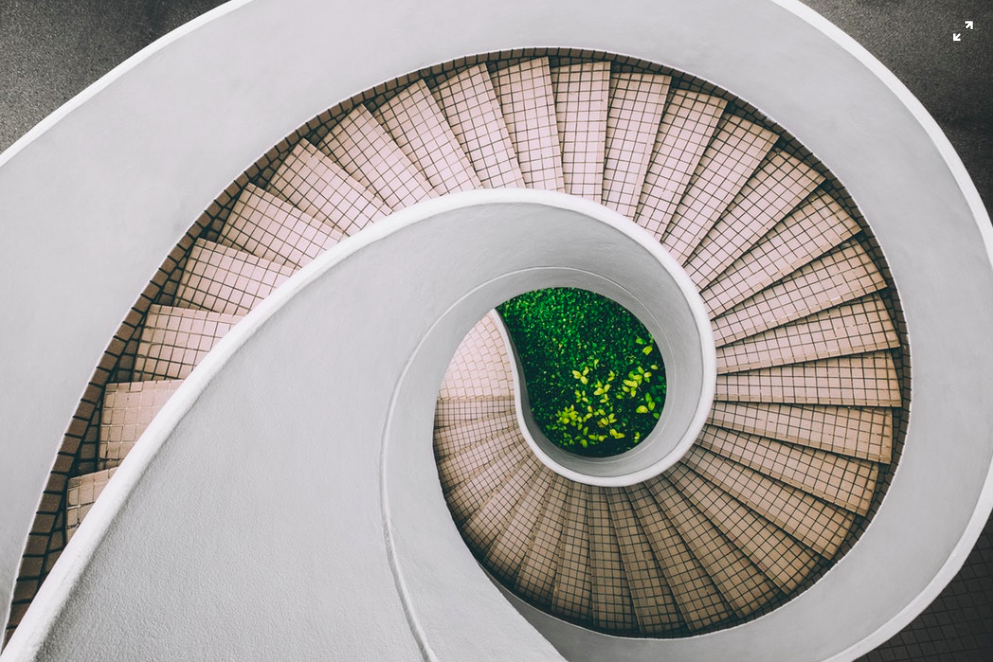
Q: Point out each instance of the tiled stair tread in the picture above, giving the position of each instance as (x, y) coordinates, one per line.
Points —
(505, 555)
(844, 274)
(864, 380)
(782, 559)
(458, 410)
(581, 96)
(320, 187)
(813, 229)
(527, 101)
(273, 229)
(227, 280)
(845, 482)
(858, 327)
(651, 595)
(470, 105)
(127, 410)
(572, 593)
(733, 155)
(805, 395)
(367, 152)
(174, 340)
(420, 130)
(536, 578)
(815, 523)
(782, 182)
(742, 585)
(481, 364)
(633, 115)
(858, 432)
(700, 603)
(466, 498)
(81, 494)
(686, 129)
(492, 519)
(460, 467)
(459, 438)
(612, 605)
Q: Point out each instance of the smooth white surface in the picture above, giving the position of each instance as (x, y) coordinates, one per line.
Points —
(169, 141)
(271, 508)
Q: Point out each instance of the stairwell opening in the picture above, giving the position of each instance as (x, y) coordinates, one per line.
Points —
(593, 374)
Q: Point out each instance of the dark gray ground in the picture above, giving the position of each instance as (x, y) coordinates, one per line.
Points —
(52, 49)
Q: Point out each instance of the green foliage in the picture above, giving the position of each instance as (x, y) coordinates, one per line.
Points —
(594, 374)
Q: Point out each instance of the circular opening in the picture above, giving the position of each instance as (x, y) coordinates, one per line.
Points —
(594, 375)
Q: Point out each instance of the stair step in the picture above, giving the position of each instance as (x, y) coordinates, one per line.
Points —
(853, 431)
(226, 280)
(864, 380)
(420, 130)
(527, 101)
(687, 127)
(455, 411)
(738, 147)
(780, 184)
(367, 152)
(817, 524)
(470, 105)
(468, 497)
(582, 93)
(858, 327)
(613, 608)
(742, 585)
(505, 555)
(480, 366)
(81, 494)
(320, 187)
(536, 578)
(844, 274)
(274, 230)
(457, 439)
(635, 110)
(461, 467)
(845, 482)
(487, 523)
(127, 410)
(698, 600)
(655, 607)
(816, 227)
(572, 596)
(174, 340)
(782, 559)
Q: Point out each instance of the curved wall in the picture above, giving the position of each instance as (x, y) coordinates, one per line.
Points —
(871, 134)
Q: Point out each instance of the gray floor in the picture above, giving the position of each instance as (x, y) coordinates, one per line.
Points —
(52, 49)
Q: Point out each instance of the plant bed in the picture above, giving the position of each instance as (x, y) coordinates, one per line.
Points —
(594, 375)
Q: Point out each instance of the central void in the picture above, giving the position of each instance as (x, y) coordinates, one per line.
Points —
(594, 375)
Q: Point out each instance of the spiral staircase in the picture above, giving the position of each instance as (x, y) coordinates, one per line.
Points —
(813, 382)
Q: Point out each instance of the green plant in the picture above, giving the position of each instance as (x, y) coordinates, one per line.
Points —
(594, 375)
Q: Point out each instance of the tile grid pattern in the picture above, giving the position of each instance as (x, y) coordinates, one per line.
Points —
(686, 129)
(470, 105)
(226, 280)
(274, 230)
(525, 94)
(222, 207)
(367, 152)
(581, 97)
(128, 408)
(636, 104)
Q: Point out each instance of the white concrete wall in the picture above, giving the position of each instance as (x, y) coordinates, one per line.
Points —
(168, 141)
